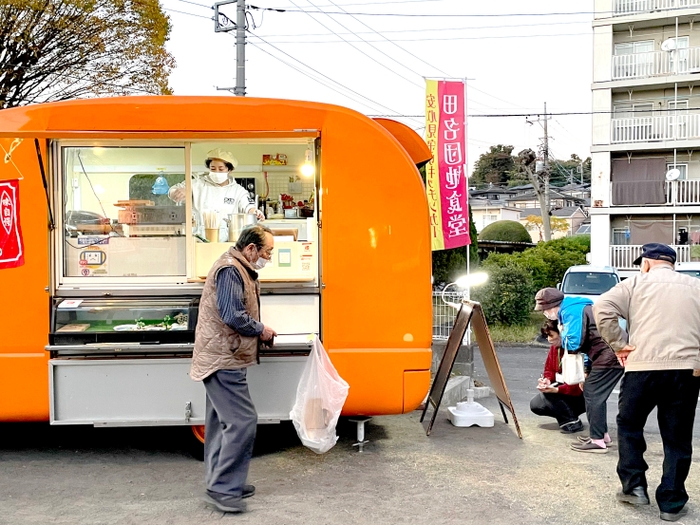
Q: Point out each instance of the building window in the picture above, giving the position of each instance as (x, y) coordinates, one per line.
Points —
(621, 236)
(488, 219)
(683, 168)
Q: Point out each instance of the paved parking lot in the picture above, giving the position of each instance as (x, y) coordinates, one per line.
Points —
(72, 475)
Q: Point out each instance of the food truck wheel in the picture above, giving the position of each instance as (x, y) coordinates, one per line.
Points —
(196, 445)
(198, 431)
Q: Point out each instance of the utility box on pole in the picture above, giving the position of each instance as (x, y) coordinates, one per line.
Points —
(223, 24)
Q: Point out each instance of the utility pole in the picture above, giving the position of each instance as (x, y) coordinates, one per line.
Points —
(223, 24)
(544, 210)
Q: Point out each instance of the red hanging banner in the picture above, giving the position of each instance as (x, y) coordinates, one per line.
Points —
(11, 244)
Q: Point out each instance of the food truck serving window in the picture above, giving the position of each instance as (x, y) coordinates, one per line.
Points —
(118, 220)
(143, 217)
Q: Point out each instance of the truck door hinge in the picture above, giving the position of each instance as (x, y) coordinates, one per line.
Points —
(188, 411)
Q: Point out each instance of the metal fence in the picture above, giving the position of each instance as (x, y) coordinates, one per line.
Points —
(444, 315)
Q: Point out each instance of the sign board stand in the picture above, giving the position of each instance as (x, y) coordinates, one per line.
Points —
(470, 311)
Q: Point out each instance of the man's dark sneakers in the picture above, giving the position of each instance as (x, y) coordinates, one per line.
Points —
(673, 516)
(637, 496)
(225, 503)
(571, 427)
(248, 491)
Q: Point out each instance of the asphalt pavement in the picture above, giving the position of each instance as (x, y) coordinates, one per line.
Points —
(84, 475)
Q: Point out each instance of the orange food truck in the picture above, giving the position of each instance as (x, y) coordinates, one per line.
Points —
(98, 323)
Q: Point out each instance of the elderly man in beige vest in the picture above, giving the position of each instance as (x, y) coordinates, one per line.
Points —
(662, 308)
(228, 334)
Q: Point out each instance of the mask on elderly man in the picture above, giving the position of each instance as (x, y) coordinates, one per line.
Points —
(260, 263)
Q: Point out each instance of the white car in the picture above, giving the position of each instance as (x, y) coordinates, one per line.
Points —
(690, 268)
(588, 281)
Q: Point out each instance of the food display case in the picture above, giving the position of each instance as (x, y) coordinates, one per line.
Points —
(122, 325)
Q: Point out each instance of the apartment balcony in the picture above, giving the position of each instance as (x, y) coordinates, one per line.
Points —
(655, 128)
(621, 257)
(677, 193)
(683, 192)
(631, 7)
(656, 63)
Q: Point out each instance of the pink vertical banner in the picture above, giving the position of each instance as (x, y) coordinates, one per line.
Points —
(11, 244)
(452, 150)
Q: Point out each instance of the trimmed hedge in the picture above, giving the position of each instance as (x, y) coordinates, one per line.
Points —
(510, 231)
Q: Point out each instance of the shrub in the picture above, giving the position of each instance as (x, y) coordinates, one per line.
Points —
(508, 295)
(511, 231)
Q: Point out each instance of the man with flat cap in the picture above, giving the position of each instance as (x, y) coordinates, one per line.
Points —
(662, 309)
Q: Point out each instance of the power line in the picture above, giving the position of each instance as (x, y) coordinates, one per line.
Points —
(562, 113)
(325, 84)
(436, 15)
(329, 78)
(437, 39)
(441, 29)
(186, 13)
(358, 49)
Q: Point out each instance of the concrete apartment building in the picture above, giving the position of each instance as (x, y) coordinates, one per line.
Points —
(646, 129)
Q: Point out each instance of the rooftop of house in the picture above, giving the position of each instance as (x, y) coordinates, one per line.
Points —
(564, 213)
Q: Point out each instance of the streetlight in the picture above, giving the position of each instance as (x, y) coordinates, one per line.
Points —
(465, 282)
(469, 412)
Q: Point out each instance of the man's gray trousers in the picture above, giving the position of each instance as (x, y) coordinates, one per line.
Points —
(231, 422)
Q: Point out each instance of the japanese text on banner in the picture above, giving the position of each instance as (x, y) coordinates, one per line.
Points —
(446, 174)
(11, 244)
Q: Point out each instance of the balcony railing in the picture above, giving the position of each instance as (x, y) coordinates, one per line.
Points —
(622, 257)
(630, 7)
(679, 192)
(655, 129)
(656, 63)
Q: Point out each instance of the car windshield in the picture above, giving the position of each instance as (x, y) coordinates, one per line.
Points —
(692, 273)
(588, 283)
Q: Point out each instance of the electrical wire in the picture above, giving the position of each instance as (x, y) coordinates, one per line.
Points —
(440, 29)
(186, 13)
(360, 50)
(373, 102)
(438, 39)
(440, 15)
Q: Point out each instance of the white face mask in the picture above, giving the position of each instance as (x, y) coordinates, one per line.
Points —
(260, 263)
(551, 315)
(217, 177)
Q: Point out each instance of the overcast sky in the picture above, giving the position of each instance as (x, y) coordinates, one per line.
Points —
(516, 55)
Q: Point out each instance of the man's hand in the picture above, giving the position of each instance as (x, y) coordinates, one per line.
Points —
(267, 333)
(177, 194)
(622, 354)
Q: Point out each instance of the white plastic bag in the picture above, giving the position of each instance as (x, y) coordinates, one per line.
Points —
(572, 368)
(321, 395)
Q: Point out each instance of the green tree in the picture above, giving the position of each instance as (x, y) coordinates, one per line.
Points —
(448, 265)
(524, 273)
(495, 166)
(564, 171)
(508, 295)
(63, 49)
(511, 231)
